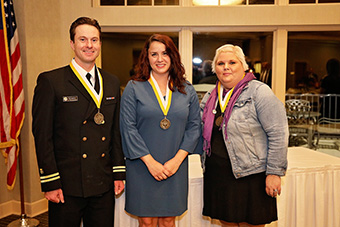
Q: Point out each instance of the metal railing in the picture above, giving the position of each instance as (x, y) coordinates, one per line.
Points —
(323, 118)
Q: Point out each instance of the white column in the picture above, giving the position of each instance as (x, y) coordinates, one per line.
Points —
(279, 68)
(185, 49)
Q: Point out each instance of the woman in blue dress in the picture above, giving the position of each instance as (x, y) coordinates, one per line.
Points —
(160, 125)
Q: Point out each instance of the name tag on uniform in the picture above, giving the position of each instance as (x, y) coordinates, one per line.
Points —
(110, 98)
(70, 98)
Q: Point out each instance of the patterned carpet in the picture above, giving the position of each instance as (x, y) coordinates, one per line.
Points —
(42, 218)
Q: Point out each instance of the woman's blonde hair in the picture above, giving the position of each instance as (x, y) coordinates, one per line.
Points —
(230, 48)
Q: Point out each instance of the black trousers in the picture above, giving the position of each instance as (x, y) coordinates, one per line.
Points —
(94, 211)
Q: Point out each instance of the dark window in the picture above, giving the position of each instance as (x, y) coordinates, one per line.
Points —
(307, 56)
(301, 1)
(139, 2)
(120, 52)
(111, 2)
(261, 2)
(257, 47)
(328, 1)
(166, 2)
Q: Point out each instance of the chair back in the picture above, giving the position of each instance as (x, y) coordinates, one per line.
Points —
(298, 111)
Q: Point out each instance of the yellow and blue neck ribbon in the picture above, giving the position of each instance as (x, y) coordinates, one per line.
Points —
(164, 104)
(88, 89)
(224, 101)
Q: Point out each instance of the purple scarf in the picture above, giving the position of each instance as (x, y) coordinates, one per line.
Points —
(208, 116)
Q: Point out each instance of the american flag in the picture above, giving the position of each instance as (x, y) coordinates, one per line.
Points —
(12, 110)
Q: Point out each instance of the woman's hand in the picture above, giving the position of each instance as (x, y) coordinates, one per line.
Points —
(155, 168)
(173, 164)
(273, 185)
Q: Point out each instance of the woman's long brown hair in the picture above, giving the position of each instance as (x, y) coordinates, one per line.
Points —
(176, 70)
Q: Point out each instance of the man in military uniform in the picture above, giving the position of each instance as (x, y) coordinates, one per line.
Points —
(76, 131)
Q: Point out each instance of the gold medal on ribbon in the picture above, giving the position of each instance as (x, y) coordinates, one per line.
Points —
(165, 105)
(219, 120)
(223, 102)
(99, 118)
(165, 123)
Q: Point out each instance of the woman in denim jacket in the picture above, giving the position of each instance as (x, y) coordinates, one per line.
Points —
(245, 135)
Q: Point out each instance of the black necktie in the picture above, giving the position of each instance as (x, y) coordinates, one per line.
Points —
(96, 84)
(88, 76)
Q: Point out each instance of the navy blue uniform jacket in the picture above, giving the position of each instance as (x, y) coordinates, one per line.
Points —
(73, 152)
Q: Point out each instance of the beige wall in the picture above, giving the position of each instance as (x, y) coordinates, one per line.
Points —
(43, 32)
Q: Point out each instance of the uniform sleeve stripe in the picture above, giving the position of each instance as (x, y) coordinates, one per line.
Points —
(51, 179)
(118, 167)
(119, 170)
(49, 176)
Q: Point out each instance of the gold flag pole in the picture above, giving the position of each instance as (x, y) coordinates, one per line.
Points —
(23, 221)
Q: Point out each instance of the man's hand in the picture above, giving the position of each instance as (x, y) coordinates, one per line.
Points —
(55, 196)
(119, 186)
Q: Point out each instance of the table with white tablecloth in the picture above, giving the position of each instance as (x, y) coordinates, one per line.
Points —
(310, 190)
(310, 194)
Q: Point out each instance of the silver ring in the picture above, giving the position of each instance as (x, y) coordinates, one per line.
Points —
(275, 190)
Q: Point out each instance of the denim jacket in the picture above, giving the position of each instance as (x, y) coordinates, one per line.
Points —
(257, 132)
